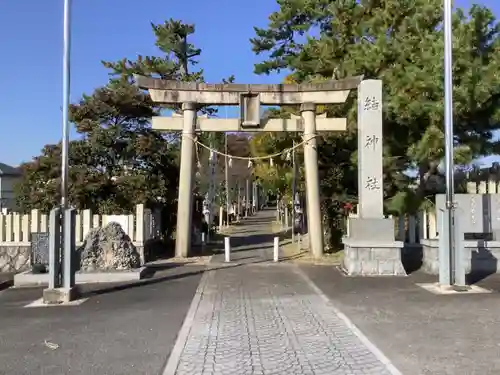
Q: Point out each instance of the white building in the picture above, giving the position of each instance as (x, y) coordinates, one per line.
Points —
(9, 176)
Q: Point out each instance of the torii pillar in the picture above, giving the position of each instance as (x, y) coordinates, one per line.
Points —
(192, 95)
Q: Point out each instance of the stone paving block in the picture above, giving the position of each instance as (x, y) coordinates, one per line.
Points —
(263, 321)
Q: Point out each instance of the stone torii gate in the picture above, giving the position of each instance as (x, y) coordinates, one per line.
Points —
(192, 95)
(250, 97)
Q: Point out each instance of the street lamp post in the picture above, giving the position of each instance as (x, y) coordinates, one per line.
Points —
(67, 214)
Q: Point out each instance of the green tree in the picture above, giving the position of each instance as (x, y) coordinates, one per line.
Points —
(118, 160)
(400, 42)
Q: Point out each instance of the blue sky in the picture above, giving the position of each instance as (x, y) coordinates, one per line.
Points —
(30, 69)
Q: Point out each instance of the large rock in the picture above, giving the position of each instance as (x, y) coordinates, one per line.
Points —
(108, 248)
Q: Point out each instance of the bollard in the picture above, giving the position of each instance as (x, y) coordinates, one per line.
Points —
(227, 248)
(203, 238)
(276, 248)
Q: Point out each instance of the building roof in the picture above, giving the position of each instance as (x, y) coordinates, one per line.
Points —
(7, 170)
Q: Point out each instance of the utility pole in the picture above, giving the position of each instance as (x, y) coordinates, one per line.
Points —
(65, 104)
(456, 273)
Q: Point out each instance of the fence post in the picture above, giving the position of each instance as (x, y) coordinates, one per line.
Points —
(44, 227)
(16, 227)
(483, 188)
(8, 228)
(432, 224)
(139, 223)
(492, 187)
(2, 228)
(35, 223)
(87, 223)
(148, 229)
(96, 221)
(422, 227)
(25, 228)
(78, 227)
(471, 187)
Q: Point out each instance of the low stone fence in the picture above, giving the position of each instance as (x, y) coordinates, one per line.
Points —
(16, 232)
(411, 228)
(420, 234)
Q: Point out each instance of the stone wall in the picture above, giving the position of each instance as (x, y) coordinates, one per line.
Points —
(15, 257)
(370, 260)
(479, 256)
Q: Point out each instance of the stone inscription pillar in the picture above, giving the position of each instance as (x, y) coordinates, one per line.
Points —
(370, 158)
(370, 247)
(315, 226)
(186, 182)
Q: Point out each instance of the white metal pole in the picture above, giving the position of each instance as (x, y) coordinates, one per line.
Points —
(276, 249)
(448, 127)
(65, 104)
(227, 249)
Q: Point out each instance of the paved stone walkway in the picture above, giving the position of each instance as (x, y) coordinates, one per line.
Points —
(269, 319)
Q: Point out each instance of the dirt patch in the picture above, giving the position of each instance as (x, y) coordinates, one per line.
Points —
(190, 261)
(291, 253)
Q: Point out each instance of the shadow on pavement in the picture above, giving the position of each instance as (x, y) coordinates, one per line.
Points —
(97, 289)
(6, 284)
(105, 289)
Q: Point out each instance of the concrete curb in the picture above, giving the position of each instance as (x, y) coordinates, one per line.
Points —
(180, 343)
(371, 346)
(27, 279)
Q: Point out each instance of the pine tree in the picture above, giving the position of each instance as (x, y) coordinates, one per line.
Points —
(119, 160)
(400, 42)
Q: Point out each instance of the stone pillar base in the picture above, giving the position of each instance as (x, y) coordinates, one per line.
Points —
(370, 258)
(58, 296)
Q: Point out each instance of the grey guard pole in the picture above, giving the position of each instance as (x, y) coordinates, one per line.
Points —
(460, 281)
(55, 248)
(69, 248)
(444, 246)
